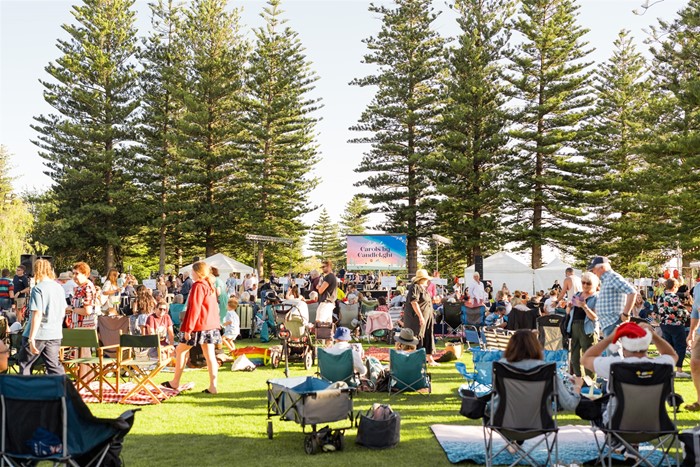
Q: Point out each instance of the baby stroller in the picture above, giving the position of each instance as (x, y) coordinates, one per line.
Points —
(296, 339)
(311, 401)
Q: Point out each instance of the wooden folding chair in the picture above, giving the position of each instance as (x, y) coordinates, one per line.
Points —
(85, 370)
(133, 358)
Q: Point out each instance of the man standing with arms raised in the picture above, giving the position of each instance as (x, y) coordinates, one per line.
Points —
(616, 297)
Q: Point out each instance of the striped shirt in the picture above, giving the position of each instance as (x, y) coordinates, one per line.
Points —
(6, 287)
(611, 299)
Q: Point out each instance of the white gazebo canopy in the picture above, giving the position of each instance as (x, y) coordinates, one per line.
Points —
(224, 264)
(505, 267)
(555, 270)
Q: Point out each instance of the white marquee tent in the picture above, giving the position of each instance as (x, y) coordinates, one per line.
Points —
(505, 267)
(555, 270)
(224, 264)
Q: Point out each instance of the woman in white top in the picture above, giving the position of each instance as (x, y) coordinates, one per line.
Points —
(110, 292)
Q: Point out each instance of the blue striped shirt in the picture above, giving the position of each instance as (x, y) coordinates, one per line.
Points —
(611, 299)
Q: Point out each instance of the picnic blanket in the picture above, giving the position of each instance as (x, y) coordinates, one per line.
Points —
(140, 398)
(382, 353)
(577, 445)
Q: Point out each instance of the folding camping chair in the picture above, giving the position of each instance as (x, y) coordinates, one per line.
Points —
(408, 372)
(472, 337)
(85, 370)
(637, 413)
(44, 419)
(480, 380)
(133, 357)
(473, 317)
(549, 332)
(109, 328)
(452, 313)
(337, 367)
(496, 339)
(523, 410)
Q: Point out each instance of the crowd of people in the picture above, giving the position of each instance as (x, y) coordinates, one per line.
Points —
(596, 306)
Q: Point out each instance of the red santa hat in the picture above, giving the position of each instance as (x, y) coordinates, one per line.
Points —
(631, 337)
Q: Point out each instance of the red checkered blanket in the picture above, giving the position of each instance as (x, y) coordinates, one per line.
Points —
(140, 398)
(382, 353)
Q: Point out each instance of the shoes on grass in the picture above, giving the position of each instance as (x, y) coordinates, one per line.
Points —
(694, 407)
(682, 374)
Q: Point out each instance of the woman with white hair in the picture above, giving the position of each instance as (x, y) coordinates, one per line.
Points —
(582, 320)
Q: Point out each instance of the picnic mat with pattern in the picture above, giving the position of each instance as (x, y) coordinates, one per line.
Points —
(382, 353)
(577, 445)
(140, 398)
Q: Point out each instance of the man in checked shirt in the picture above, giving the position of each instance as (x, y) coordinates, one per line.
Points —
(616, 296)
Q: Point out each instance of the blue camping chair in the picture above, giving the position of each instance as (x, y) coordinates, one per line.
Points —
(44, 418)
(473, 338)
(479, 380)
(408, 371)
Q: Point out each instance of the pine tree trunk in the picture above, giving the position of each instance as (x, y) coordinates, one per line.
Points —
(161, 261)
(109, 257)
(259, 261)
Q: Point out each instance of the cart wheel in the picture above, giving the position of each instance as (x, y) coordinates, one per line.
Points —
(339, 441)
(269, 429)
(311, 444)
(308, 360)
(275, 360)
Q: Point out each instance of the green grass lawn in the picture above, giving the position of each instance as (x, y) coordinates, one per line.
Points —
(230, 428)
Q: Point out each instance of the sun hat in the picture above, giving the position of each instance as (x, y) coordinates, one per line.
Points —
(597, 261)
(64, 276)
(406, 336)
(420, 275)
(342, 334)
(631, 337)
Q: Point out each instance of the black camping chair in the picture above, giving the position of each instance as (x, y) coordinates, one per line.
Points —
(453, 319)
(523, 406)
(637, 412)
(43, 418)
(549, 332)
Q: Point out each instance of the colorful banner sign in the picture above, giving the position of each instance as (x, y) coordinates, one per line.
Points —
(376, 252)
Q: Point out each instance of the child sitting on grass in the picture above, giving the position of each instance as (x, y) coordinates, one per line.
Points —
(232, 324)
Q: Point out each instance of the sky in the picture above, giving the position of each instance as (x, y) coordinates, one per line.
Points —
(332, 32)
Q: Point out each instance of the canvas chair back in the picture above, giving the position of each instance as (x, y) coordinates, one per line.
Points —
(524, 398)
(336, 367)
(640, 391)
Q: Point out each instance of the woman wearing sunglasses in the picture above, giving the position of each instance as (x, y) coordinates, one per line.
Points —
(582, 320)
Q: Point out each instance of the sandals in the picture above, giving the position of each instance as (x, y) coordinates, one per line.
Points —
(207, 391)
(694, 407)
(166, 384)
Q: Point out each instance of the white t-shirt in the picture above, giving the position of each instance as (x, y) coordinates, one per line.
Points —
(477, 291)
(550, 305)
(69, 287)
(233, 330)
(113, 299)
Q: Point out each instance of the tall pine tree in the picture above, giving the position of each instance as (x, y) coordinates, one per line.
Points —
(210, 134)
(163, 58)
(400, 120)
(474, 141)
(324, 239)
(354, 220)
(87, 143)
(551, 87)
(280, 149)
(614, 163)
(674, 155)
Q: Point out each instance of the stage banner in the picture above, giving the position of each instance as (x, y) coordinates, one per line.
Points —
(376, 252)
